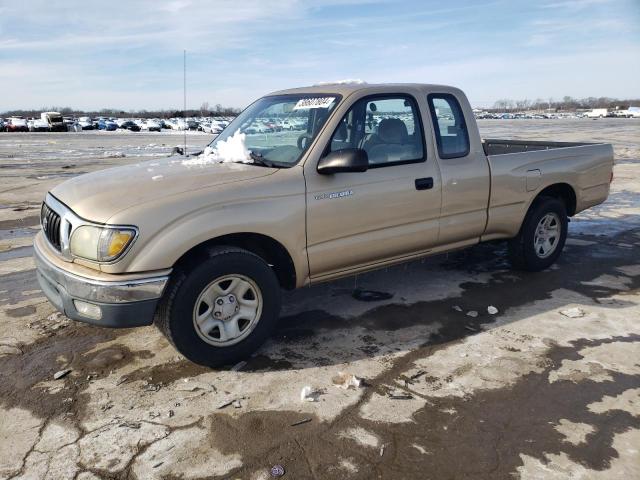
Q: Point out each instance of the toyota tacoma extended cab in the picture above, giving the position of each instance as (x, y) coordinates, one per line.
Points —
(202, 245)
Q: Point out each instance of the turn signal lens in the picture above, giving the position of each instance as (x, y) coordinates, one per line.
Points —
(113, 242)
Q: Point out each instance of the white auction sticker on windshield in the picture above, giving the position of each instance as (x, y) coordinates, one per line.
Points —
(316, 102)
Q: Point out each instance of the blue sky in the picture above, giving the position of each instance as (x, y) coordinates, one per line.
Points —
(128, 54)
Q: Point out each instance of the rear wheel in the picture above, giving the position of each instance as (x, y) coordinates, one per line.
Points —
(222, 309)
(541, 237)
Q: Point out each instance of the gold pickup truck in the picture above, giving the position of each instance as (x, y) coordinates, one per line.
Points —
(304, 186)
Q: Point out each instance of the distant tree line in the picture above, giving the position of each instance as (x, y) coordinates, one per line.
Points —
(203, 111)
(566, 104)
(503, 105)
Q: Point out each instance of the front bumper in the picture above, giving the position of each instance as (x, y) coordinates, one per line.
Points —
(130, 303)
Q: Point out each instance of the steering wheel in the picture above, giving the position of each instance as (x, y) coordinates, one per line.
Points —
(303, 140)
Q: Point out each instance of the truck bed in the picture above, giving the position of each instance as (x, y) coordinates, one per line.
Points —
(494, 146)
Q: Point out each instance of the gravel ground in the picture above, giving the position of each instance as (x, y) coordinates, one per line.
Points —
(547, 387)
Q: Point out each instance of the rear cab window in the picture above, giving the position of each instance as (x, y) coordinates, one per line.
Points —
(387, 127)
(452, 137)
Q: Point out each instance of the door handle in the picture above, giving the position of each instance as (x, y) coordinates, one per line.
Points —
(424, 183)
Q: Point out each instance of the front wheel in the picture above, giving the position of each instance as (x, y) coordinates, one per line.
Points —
(541, 237)
(219, 311)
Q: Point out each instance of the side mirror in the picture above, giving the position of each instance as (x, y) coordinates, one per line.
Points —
(347, 160)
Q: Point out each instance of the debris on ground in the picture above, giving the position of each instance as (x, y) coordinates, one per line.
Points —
(382, 449)
(574, 312)
(236, 402)
(238, 366)
(277, 471)
(471, 328)
(301, 422)
(48, 326)
(225, 404)
(399, 395)
(62, 373)
(308, 394)
(346, 380)
(472, 313)
(457, 308)
(189, 385)
(132, 425)
(491, 310)
(151, 387)
(417, 375)
(370, 295)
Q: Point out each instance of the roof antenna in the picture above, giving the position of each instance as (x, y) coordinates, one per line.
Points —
(184, 109)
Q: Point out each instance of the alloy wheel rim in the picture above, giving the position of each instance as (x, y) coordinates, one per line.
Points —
(547, 235)
(227, 310)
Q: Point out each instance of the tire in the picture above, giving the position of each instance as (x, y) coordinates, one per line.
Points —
(523, 251)
(177, 312)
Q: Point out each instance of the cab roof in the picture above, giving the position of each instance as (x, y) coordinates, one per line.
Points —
(346, 89)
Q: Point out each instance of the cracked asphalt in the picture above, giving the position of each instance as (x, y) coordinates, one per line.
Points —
(547, 387)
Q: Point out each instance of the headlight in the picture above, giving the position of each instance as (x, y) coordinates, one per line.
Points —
(100, 244)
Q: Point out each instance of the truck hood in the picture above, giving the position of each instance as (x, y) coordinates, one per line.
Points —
(100, 195)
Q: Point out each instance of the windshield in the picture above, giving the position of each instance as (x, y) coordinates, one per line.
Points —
(277, 130)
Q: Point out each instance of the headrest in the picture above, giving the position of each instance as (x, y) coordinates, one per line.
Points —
(392, 130)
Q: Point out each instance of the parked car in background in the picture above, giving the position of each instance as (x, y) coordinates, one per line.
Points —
(54, 120)
(130, 125)
(38, 125)
(152, 125)
(205, 127)
(86, 123)
(107, 125)
(210, 127)
(17, 124)
(596, 113)
(68, 123)
(178, 124)
(217, 128)
(633, 112)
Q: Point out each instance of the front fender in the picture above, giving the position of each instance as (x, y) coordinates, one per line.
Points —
(172, 226)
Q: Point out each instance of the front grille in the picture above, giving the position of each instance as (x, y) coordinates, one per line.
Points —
(50, 222)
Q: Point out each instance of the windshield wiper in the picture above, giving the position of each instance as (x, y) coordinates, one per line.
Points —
(258, 159)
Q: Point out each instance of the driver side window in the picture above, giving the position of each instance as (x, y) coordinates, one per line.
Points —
(388, 128)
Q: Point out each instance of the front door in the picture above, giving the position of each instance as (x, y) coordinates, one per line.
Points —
(390, 211)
